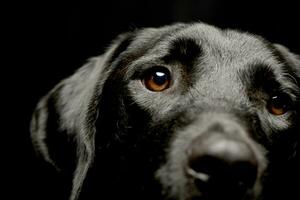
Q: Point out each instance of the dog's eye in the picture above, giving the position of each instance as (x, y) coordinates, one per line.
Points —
(157, 79)
(278, 104)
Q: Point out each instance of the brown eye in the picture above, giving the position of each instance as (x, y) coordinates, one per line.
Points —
(157, 79)
(278, 105)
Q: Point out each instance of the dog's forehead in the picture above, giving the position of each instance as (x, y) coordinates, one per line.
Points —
(222, 46)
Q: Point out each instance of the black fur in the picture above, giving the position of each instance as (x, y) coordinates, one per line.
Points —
(113, 138)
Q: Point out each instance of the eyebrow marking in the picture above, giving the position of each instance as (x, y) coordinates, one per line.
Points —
(260, 76)
(283, 60)
(184, 50)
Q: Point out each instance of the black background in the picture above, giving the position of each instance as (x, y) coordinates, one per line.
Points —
(47, 41)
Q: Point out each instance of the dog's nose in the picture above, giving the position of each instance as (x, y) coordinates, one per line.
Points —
(222, 167)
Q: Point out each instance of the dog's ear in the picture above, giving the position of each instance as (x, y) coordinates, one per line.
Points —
(290, 58)
(63, 123)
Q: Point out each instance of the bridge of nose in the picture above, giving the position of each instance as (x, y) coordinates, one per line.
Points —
(220, 85)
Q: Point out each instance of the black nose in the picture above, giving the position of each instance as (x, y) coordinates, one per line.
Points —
(222, 167)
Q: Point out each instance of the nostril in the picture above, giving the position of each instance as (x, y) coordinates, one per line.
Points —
(244, 173)
(222, 165)
(207, 164)
(214, 177)
(207, 167)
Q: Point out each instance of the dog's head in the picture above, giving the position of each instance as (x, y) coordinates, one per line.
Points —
(182, 112)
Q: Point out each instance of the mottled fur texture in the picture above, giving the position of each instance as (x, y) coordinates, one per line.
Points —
(115, 139)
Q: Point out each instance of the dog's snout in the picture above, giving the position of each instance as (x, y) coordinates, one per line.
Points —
(222, 165)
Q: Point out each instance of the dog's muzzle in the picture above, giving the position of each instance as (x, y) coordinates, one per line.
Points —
(222, 165)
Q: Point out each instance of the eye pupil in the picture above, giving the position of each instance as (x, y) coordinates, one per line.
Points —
(278, 105)
(277, 102)
(160, 78)
(157, 79)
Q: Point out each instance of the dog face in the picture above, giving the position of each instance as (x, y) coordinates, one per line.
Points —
(181, 112)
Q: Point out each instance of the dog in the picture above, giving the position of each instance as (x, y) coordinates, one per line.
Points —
(182, 112)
